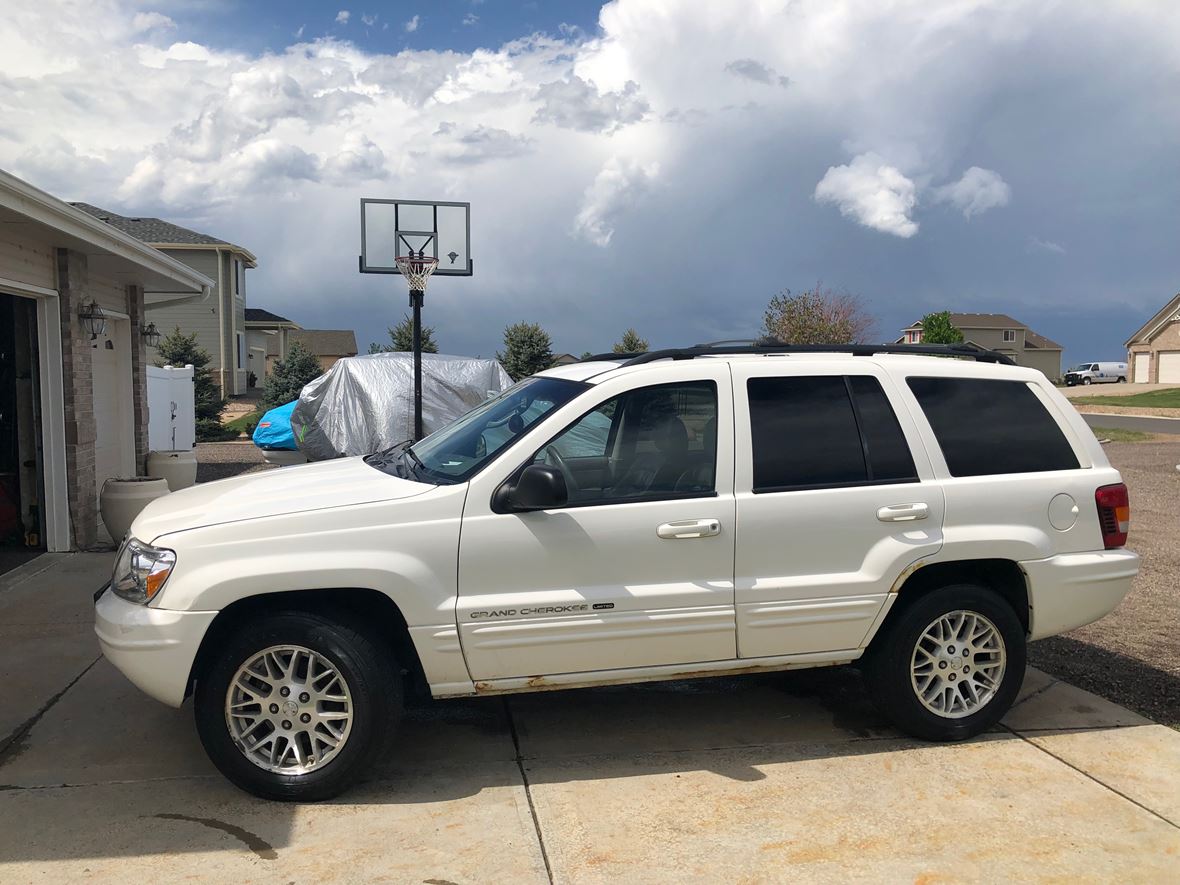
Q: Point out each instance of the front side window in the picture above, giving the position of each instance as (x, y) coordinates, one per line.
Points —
(647, 444)
(987, 427)
(825, 432)
(458, 451)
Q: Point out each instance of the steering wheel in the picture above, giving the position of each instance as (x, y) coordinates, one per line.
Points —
(553, 458)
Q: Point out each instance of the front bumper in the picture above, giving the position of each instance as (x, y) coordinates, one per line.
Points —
(1074, 589)
(152, 647)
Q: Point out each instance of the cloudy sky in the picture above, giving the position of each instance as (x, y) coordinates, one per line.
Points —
(663, 164)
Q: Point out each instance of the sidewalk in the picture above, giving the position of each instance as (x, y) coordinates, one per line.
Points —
(767, 778)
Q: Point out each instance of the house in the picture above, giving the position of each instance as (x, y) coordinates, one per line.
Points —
(219, 317)
(73, 362)
(328, 345)
(564, 359)
(1153, 352)
(1002, 333)
(268, 336)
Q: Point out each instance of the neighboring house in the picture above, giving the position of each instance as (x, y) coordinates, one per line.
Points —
(1002, 333)
(564, 359)
(73, 363)
(219, 317)
(1153, 352)
(328, 345)
(268, 336)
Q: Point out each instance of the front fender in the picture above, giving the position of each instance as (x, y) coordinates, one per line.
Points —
(404, 549)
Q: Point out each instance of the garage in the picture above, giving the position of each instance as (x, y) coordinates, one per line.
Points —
(1169, 367)
(1142, 368)
(1154, 350)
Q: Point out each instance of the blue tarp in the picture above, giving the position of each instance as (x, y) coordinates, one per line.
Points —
(274, 430)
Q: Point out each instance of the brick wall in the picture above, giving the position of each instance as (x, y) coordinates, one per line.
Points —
(77, 375)
(138, 376)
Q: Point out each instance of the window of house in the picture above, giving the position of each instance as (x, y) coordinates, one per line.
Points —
(239, 278)
(647, 444)
(240, 348)
(824, 432)
(992, 427)
(1009, 335)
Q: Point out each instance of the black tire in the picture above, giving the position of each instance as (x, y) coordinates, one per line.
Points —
(374, 683)
(1122, 379)
(1086, 381)
(887, 666)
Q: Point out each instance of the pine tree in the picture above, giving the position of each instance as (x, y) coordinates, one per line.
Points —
(289, 376)
(178, 349)
(631, 343)
(401, 338)
(527, 350)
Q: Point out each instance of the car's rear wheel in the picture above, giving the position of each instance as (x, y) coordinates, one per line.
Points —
(949, 665)
(1086, 381)
(1122, 379)
(296, 706)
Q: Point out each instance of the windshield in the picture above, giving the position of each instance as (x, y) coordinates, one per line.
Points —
(459, 450)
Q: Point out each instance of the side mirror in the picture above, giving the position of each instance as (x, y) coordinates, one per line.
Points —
(540, 487)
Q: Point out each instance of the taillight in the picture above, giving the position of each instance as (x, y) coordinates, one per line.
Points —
(1114, 514)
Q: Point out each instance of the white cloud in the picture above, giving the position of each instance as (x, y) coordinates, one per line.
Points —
(646, 136)
(369, 20)
(299, 33)
(618, 185)
(151, 21)
(577, 104)
(976, 192)
(470, 19)
(411, 25)
(871, 192)
(343, 16)
(1036, 244)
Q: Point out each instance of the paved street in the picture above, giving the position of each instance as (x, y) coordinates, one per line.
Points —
(791, 776)
(1134, 422)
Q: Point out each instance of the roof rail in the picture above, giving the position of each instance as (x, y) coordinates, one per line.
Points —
(968, 351)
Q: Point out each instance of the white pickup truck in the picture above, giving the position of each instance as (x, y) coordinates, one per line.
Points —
(680, 513)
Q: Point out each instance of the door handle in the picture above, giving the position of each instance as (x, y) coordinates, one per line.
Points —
(689, 528)
(903, 512)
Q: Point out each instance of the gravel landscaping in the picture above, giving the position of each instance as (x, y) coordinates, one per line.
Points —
(221, 460)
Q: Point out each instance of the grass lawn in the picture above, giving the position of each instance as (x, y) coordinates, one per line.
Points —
(239, 424)
(1167, 398)
(1117, 434)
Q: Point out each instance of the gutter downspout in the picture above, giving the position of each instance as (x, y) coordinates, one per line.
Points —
(221, 323)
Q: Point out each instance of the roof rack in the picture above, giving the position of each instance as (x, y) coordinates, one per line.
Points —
(968, 351)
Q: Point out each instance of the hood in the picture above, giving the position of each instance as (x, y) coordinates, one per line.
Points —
(338, 483)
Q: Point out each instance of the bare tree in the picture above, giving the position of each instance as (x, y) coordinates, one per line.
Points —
(818, 316)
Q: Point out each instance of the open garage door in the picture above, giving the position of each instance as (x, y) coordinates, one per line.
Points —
(1169, 367)
(1142, 368)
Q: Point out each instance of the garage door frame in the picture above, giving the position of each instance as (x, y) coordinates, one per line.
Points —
(1167, 359)
(1135, 377)
(56, 506)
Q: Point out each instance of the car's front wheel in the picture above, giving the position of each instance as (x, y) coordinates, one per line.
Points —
(296, 706)
(950, 665)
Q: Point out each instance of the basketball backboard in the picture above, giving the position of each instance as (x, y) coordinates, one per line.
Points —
(440, 230)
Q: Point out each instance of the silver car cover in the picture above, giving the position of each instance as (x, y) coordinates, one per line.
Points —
(364, 404)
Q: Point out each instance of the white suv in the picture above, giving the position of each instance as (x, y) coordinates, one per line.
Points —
(681, 513)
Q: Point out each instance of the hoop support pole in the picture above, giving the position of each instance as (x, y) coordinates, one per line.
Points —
(416, 298)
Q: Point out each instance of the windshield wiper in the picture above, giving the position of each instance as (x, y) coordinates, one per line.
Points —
(390, 458)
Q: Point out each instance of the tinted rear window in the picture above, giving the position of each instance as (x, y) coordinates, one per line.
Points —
(989, 427)
(806, 434)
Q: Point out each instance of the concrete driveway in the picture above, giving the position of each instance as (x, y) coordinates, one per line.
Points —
(768, 778)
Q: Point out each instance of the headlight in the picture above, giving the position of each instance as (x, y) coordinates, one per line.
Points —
(141, 570)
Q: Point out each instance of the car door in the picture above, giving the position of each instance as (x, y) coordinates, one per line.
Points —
(637, 569)
(833, 503)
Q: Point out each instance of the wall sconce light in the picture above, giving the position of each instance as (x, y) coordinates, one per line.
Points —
(94, 319)
(151, 335)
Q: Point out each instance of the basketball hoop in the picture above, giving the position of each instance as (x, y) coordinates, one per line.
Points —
(416, 269)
